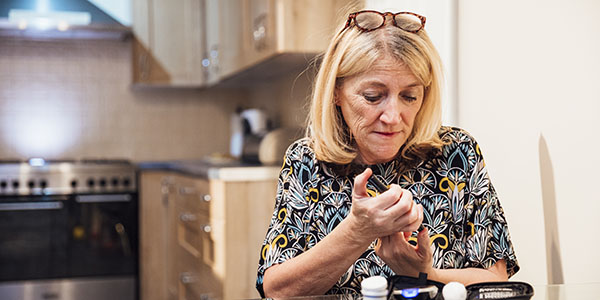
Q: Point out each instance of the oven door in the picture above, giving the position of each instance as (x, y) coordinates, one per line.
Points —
(103, 235)
(33, 237)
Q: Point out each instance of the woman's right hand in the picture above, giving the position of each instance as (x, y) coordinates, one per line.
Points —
(387, 213)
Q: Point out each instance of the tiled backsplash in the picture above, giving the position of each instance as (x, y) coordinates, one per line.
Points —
(73, 99)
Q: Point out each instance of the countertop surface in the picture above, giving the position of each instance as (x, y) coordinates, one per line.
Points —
(228, 170)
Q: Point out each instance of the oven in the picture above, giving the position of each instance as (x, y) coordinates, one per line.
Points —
(68, 230)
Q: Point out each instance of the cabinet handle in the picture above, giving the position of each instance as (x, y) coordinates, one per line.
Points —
(187, 217)
(206, 62)
(213, 54)
(187, 190)
(207, 198)
(165, 188)
(207, 228)
(259, 32)
(187, 278)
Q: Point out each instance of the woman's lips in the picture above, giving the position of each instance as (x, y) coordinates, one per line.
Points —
(387, 134)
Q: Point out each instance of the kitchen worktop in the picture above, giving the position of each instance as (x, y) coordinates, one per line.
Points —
(230, 170)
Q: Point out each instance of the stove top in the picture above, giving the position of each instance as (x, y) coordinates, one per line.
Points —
(84, 160)
(66, 176)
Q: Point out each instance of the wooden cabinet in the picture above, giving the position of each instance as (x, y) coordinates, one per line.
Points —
(200, 239)
(203, 42)
(271, 35)
(169, 44)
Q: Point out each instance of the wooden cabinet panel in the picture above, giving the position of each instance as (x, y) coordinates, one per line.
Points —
(198, 249)
(170, 42)
(153, 233)
(247, 211)
(259, 30)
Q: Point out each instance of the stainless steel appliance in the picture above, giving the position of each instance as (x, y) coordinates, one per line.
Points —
(68, 230)
(248, 128)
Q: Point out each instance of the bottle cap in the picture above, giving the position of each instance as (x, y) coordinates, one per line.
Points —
(454, 291)
(374, 286)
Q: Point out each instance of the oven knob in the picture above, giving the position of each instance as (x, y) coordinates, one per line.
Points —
(126, 181)
(30, 184)
(74, 183)
(91, 182)
(115, 181)
(15, 184)
(3, 184)
(43, 183)
(102, 182)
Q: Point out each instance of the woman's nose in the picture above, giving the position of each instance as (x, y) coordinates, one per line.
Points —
(392, 111)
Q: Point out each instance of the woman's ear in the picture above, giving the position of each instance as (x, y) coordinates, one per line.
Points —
(336, 96)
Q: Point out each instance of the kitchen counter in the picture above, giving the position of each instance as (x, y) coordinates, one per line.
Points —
(220, 170)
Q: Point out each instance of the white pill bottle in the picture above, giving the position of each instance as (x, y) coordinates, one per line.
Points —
(374, 288)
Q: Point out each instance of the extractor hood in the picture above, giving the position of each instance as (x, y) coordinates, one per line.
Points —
(65, 19)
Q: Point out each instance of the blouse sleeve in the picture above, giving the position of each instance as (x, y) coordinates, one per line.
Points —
(489, 239)
(287, 235)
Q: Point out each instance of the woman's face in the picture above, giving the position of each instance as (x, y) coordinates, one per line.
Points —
(380, 106)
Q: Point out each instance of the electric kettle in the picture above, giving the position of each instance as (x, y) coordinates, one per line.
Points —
(248, 127)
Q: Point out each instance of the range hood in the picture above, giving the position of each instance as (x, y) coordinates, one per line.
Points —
(65, 19)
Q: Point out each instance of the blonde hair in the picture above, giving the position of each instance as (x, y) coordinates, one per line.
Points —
(352, 52)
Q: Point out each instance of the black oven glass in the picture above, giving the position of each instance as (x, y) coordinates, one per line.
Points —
(103, 235)
(33, 237)
(44, 237)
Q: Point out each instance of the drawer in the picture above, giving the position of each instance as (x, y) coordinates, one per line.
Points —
(193, 195)
(193, 235)
(196, 279)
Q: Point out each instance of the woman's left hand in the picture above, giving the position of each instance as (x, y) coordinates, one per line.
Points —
(404, 258)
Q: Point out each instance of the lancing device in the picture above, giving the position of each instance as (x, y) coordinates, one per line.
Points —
(380, 187)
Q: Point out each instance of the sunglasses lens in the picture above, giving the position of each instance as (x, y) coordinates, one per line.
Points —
(408, 22)
(369, 20)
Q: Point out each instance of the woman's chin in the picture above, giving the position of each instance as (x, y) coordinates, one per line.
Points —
(379, 157)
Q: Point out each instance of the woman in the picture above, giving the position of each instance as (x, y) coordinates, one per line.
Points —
(375, 111)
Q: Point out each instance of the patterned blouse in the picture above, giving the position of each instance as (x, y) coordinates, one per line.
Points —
(466, 223)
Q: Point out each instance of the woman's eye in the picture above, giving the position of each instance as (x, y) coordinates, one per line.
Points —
(372, 97)
(409, 98)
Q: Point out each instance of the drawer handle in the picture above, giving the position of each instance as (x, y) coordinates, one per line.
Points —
(187, 278)
(188, 217)
(207, 228)
(207, 198)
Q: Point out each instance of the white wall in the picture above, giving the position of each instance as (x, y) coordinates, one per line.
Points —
(530, 68)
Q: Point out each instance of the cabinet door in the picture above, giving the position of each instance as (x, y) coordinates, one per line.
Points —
(177, 39)
(154, 194)
(246, 208)
(170, 44)
(306, 26)
(259, 30)
(239, 33)
(223, 38)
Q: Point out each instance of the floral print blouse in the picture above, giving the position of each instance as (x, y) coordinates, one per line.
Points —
(466, 223)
